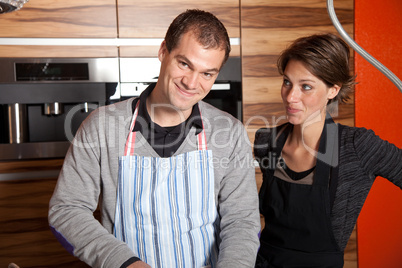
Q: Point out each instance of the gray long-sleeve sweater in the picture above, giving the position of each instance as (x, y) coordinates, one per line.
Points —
(90, 173)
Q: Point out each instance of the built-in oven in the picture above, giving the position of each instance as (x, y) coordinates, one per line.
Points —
(44, 101)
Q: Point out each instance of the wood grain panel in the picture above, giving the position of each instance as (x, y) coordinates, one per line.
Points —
(261, 66)
(151, 18)
(138, 51)
(30, 165)
(263, 92)
(289, 16)
(74, 18)
(299, 3)
(25, 237)
(271, 41)
(152, 51)
(8, 51)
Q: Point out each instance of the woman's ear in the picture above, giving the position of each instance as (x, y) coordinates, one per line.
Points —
(333, 91)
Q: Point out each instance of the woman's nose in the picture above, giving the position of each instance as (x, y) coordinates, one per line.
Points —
(293, 95)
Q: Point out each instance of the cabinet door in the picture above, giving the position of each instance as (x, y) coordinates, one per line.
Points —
(35, 51)
(150, 19)
(25, 236)
(58, 19)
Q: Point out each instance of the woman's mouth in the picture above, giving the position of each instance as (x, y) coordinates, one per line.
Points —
(291, 110)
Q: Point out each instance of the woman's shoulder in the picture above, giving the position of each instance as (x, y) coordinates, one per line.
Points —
(356, 134)
(376, 156)
(264, 134)
(266, 137)
(365, 141)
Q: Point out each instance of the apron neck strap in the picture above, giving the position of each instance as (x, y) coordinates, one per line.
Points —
(201, 137)
(129, 147)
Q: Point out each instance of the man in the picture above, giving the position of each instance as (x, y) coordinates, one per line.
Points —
(172, 174)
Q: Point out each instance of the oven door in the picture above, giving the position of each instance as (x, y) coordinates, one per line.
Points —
(227, 97)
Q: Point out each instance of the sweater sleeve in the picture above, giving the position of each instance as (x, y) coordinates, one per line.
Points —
(378, 157)
(238, 206)
(74, 201)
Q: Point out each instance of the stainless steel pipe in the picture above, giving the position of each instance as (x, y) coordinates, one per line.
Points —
(54, 108)
(17, 123)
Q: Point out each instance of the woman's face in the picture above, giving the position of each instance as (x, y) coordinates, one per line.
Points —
(304, 95)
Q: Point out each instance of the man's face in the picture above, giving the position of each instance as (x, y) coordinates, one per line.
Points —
(187, 73)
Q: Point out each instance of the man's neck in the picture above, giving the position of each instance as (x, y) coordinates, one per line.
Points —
(165, 115)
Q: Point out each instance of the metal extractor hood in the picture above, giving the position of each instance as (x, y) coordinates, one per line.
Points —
(11, 5)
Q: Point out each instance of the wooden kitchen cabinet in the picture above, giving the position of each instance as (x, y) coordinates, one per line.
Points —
(98, 19)
(150, 19)
(25, 236)
(35, 51)
(62, 19)
(152, 51)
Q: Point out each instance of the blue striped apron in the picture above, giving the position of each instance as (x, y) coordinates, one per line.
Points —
(165, 208)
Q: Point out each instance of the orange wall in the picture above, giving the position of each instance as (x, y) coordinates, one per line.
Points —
(378, 102)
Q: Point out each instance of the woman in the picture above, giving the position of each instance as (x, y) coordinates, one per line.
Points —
(316, 174)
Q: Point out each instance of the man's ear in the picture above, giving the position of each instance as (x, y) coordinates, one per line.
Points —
(162, 50)
(333, 92)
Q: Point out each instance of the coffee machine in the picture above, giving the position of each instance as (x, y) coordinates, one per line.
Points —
(44, 101)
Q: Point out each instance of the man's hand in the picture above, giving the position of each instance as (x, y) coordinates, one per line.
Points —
(139, 264)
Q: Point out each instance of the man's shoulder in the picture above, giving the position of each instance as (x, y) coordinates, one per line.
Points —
(121, 108)
(107, 115)
(210, 112)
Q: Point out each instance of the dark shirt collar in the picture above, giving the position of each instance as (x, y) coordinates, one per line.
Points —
(144, 122)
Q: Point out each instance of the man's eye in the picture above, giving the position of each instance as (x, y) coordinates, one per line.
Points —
(183, 64)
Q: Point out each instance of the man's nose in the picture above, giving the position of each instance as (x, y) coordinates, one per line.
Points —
(191, 80)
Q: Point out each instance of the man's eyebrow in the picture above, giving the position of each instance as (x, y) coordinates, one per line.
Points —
(189, 63)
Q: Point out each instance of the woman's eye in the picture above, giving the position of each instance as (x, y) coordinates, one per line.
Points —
(307, 87)
(286, 82)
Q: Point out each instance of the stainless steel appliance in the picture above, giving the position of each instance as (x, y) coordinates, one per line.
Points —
(44, 101)
(36, 95)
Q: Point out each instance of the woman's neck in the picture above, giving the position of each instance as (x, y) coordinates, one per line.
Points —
(308, 134)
